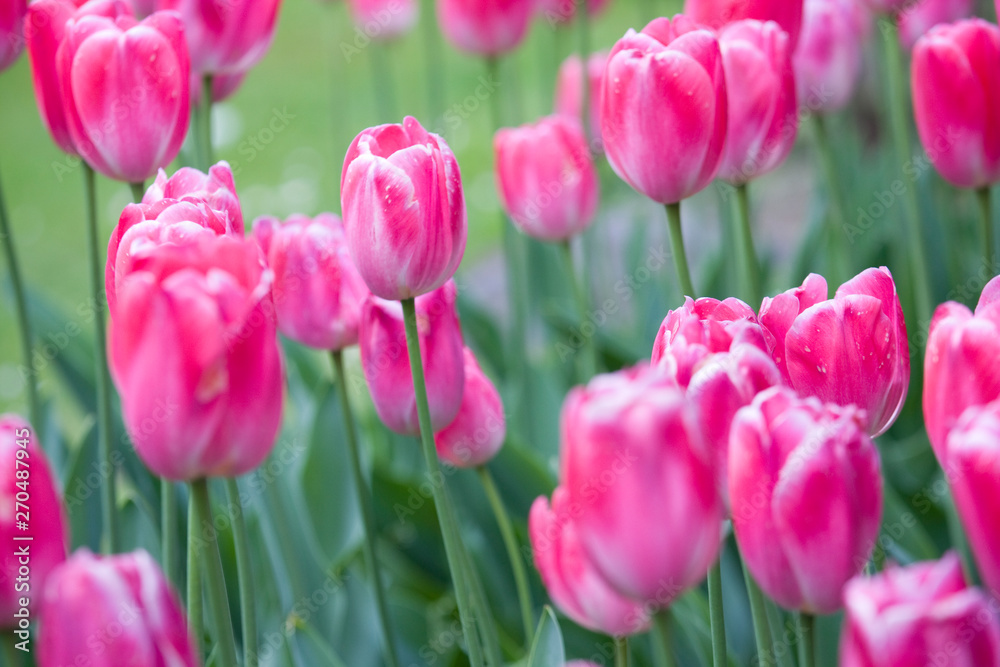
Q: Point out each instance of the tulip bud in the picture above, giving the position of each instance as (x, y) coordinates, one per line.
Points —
(917, 616)
(760, 88)
(30, 507)
(11, 31)
(386, 363)
(719, 13)
(404, 211)
(552, 194)
(103, 611)
(827, 61)
(485, 27)
(634, 463)
(384, 19)
(195, 357)
(955, 82)
(317, 291)
(569, 92)
(851, 349)
(663, 114)
(919, 17)
(478, 431)
(572, 580)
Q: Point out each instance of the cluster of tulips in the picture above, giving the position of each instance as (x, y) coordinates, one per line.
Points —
(759, 422)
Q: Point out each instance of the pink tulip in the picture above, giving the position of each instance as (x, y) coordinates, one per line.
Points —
(828, 59)
(404, 210)
(552, 194)
(569, 575)
(195, 357)
(386, 362)
(634, 463)
(960, 368)
(384, 19)
(45, 27)
(806, 493)
(25, 473)
(663, 115)
(125, 91)
(919, 17)
(317, 291)
(956, 100)
(103, 611)
(485, 27)
(11, 31)
(718, 13)
(226, 36)
(558, 12)
(918, 616)
(478, 431)
(217, 189)
(569, 92)
(851, 349)
(760, 85)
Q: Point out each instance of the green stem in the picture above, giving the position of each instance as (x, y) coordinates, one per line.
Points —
(749, 266)
(478, 602)
(382, 79)
(919, 270)
(434, 64)
(367, 513)
(138, 191)
(719, 653)
(10, 652)
(986, 217)
(838, 222)
(194, 601)
(215, 579)
(680, 256)
(244, 574)
(21, 307)
(621, 651)
(109, 543)
(776, 624)
(661, 623)
(588, 358)
(168, 530)
(584, 21)
(449, 529)
(205, 119)
(807, 652)
(761, 628)
(329, 657)
(513, 552)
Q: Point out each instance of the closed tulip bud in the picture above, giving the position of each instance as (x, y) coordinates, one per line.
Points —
(718, 13)
(827, 61)
(125, 90)
(404, 210)
(478, 431)
(552, 194)
(11, 31)
(960, 368)
(806, 493)
(851, 349)
(104, 611)
(559, 12)
(569, 575)
(217, 189)
(955, 82)
(25, 473)
(916, 20)
(633, 461)
(663, 113)
(917, 616)
(569, 92)
(485, 27)
(317, 291)
(195, 357)
(386, 364)
(384, 19)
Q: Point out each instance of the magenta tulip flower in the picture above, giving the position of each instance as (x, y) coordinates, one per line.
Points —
(718, 13)
(485, 27)
(918, 19)
(569, 92)
(550, 195)
(916, 616)
(850, 350)
(827, 61)
(384, 19)
(663, 115)
(478, 431)
(217, 189)
(11, 31)
(404, 210)
(805, 487)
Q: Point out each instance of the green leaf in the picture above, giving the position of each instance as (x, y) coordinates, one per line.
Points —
(547, 648)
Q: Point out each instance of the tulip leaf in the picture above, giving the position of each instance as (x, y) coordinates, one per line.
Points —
(547, 648)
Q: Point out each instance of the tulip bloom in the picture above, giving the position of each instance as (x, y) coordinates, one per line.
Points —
(386, 364)
(827, 61)
(217, 189)
(112, 610)
(569, 92)
(11, 31)
(806, 493)
(719, 13)
(916, 20)
(404, 210)
(956, 100)
(851, 349)
(960, 368)
(916, 616)
(485, 27)
(195, 357)
(633, 461)
(384, 19)
(125, 91)
(19, 452)
(552, 194)
(317, 291)
(572, 580)
(663, 114)
(478, 431)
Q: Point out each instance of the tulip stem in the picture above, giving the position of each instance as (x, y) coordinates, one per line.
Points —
(661, 624)
(194, 601)
(749, 266)
(205, 120)
(168, 530)
(719, 652)
(367, 513)
(21, 306)
(109, 542)
(385, 101)
(446, 518)
(10, 654)
(776, 623)
(807, 650)
(761, 628)
(513, 551)
(244, 574)
(680, 256)
(584, 19)
(434, 64)
(838, 223)
(588, 360)
(986, 216)
(478, 603)
(214, 578)
(621, 651)
(138, 190)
